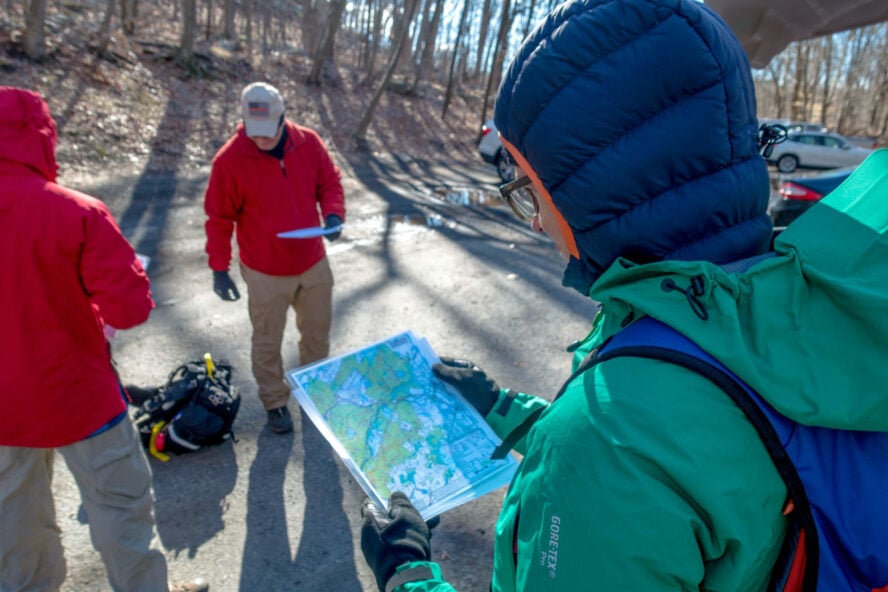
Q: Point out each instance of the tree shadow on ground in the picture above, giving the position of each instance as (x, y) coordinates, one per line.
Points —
(156, 187)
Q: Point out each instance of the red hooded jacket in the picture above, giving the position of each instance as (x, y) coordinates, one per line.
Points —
(264, 196)
(65, 267)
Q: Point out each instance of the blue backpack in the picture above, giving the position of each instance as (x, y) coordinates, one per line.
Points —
(837, 480)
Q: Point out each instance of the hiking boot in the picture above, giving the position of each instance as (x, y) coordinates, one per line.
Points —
(279, 420)
(198, 585)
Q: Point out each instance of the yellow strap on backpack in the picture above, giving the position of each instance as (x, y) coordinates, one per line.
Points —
(152, 443)
(208, 360)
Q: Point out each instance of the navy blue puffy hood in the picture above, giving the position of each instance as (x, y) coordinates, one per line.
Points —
(638, 117)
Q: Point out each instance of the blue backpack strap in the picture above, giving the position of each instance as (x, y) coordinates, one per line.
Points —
(797, 567)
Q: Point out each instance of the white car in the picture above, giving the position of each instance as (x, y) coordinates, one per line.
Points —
(492, 151)
(816, 150)
(795, 127)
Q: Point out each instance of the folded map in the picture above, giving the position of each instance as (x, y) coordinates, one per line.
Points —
(397, 427)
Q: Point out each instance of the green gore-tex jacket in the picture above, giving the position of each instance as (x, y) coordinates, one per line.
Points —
(644, 476)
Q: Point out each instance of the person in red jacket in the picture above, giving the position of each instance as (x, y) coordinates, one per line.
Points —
(67, 271)
(274, 176)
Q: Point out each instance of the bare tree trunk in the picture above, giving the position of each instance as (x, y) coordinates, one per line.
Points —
(530, 20)
(325, 50)
(282, 31)
(361, 133)
(424, 21)
(404, 21)
(248, 26)
(228, 31)
(429, 39)
(880, 82)
(105, 29)
(377, 34)
(482, 37)
(451, 83)
(366, 34)
(314, 15)
(807, 84)
(208, 34)
(462, 66)
(848, 111)
(189, 25)
(839, 65)
(128, 16)
(878, 106)
(35, 36)
(267, 8)
(826, 103)
(500, 56)
(796, 106)
(777, 86)
(420, 31)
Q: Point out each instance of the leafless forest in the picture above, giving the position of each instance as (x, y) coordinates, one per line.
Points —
(396, 46)
(840, 81)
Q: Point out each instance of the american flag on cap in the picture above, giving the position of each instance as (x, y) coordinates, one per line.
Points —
(258, 109)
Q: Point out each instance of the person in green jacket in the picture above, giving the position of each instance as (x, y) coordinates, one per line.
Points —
(633, 126)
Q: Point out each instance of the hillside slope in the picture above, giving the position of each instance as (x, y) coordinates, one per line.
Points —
(139, 110)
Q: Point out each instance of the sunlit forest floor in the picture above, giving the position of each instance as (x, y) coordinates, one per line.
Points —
(139, 109)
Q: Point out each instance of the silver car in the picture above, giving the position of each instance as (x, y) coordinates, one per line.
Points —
(492, 151)
(816, 150)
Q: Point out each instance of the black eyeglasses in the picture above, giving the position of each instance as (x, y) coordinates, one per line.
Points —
(520, 196)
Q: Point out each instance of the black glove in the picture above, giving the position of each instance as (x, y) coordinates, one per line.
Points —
(137, 395)
(391, 539)
(471, 381)
(329, 222)
(224, 286)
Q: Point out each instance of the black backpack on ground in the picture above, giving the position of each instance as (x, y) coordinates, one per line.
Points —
(195, 408)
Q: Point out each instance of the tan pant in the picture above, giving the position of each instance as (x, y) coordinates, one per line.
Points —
(115, 487)
(270, 296)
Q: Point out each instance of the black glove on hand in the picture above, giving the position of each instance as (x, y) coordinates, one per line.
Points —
(331, 221)
(471, 381)
(224, 286)
(391, 539)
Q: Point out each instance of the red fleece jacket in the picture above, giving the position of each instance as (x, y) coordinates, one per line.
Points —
(65, 268)
(261, 196)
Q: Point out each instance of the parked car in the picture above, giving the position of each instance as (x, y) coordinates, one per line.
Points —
(795, 126)
(821, 150)
(798, 193)
(492, 151)
(871, 142)
(801, 127)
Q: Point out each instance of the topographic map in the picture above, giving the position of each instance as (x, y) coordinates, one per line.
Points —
(397, 427)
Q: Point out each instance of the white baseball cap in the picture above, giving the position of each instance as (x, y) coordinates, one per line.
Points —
(262, 107)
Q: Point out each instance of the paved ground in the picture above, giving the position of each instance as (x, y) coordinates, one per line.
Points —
(424, 249)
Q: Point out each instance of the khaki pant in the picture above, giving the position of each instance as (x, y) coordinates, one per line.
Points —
(115, 488)
(270, 297)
